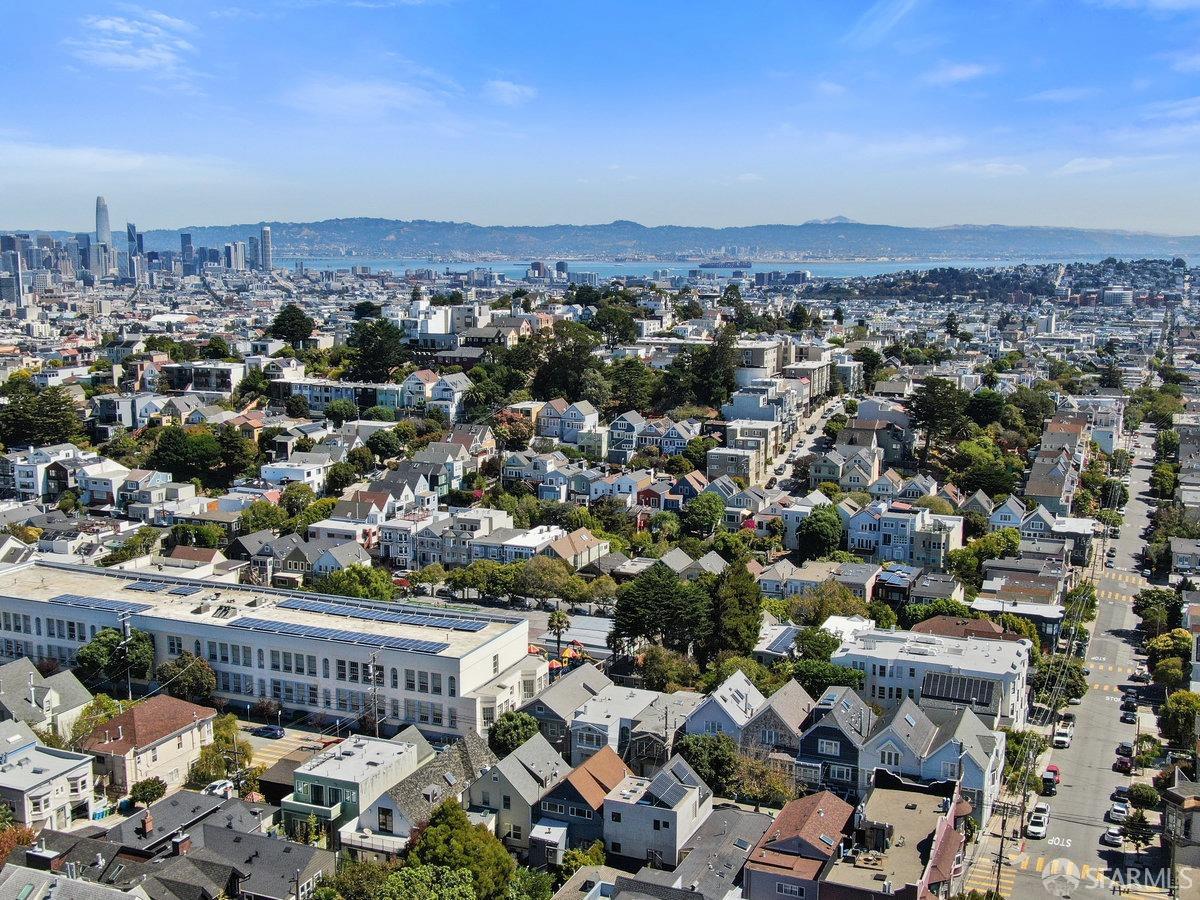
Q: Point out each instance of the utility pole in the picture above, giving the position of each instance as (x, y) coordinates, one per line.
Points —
(1000, 854)
(126, 637)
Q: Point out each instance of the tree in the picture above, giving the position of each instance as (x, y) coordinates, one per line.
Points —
(759, 782)
(702, 515)
(107, 658)
(96, 713)
(1172, 674)
(558, 624)
(1143, 796)
(148, 790)
(314, 512)
(427, 883)
(451, 840)
(714, 757)
(985, 407)
(1163, 480)
(362, 459)
(578, 857)
(358, 880)
(339, 477)
(829, 598)
(883, 615)
(381, 347)
(1176, 642)
(358, 580)
(665, 670)
(936, 505)
(261, 515)
(735, 611)
(816, 643)
(12, 838)
(616, 324)
(340, 411)
(292, 325)
(935, 408)
(914, 613)
(296, 406)
(187, 677)
(510, 731)
(1059, 679)
(661, 608)
(1138, 831)
(872, 363)
(530, 884)
(385, 444)
(296, 498)
(816, 676)
(819, 533)
(1177, 718)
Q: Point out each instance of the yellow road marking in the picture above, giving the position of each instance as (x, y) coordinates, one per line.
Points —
(1041, 864)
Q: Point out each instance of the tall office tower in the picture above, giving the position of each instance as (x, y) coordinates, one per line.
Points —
(20, 283)
(252, 252)
(131, 238)
(230, 253)
(239, 255)
(266, 252)
(84, 241)
(103, 231)
(185, 247)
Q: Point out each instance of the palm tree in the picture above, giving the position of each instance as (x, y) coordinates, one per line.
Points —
(558, 624)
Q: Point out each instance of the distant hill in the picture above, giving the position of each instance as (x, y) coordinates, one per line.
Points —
(836, 238)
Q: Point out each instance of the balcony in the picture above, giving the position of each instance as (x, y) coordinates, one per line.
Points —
(302, 808)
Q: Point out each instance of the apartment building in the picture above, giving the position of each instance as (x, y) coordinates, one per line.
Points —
(43, 786)
(315, 655)
(896, 663)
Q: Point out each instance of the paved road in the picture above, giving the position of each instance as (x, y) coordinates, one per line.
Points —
(1071, 861)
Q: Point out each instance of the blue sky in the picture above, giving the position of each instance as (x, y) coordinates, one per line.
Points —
(913, 112)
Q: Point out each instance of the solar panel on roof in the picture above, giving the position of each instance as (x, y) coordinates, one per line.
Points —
(371, 614)
(150, 587)
(912, 723)
(333, 634)
(186, 590)
(81, 602)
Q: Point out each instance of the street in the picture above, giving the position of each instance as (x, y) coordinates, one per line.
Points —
(1071, 860)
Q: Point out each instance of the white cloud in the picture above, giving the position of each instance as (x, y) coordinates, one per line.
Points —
(989, 168)
(877, 21)
(23, 158)
(350, 98)
(508, 93)
(1186, 62)
(144, 41)
(749, 177)
(954, 73)
(1062, 95)
(1086, 165)
(1184, 108)
(829, 88)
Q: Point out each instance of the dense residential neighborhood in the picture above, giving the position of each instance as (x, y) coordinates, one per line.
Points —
(345, 583)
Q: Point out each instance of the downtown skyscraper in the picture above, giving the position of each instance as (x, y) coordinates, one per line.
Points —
(103, 229)
(266, 256)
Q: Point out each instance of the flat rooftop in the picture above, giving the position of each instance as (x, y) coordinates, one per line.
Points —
(357, 758)
(248, 611)
(914, 817)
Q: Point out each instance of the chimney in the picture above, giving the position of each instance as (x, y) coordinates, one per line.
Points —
(32, 700)
(120, 732)
(181, 844)
(42, 858)
(148, 824)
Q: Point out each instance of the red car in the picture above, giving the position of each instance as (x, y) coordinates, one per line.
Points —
(1123, 764)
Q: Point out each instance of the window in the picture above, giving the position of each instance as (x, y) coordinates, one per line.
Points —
(385, 820)
(174, 645)
(495, 663)
(789, 890)
(395, 678)
(515, 832)
(949, 770)
(616, 846)
(829, 748)
(839, 773)
(410, 680)
(615, 816)
(452, 682)
(506, 801)
(423, 682)
(889, 756)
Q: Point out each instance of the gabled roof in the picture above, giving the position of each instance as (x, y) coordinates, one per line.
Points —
(599, 774)
(463, 761)
(533, 768)
(145, 724)
(572, 690)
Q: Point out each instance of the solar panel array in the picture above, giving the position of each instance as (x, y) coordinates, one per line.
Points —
(117, 606)
(186, 590)
(150, 587)
(335, 634)
(783, 641)
(381, 615)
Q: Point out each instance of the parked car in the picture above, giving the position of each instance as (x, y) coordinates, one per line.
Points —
(270, 731)
(1119, 811)
(1125, 748)
(221, 788)
(1113, 837)
(1128, 705)
(1036, 828)
(1120, 792)
(1129, 717)
(1123, 764)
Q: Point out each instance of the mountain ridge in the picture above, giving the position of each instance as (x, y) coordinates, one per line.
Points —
(834, 238)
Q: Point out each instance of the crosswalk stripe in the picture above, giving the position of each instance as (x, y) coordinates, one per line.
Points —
(1025, 864)
(1041, 864)
(1054, 864)
(1083, 873)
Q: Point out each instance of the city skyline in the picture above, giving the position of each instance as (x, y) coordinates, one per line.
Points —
(906, 112)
